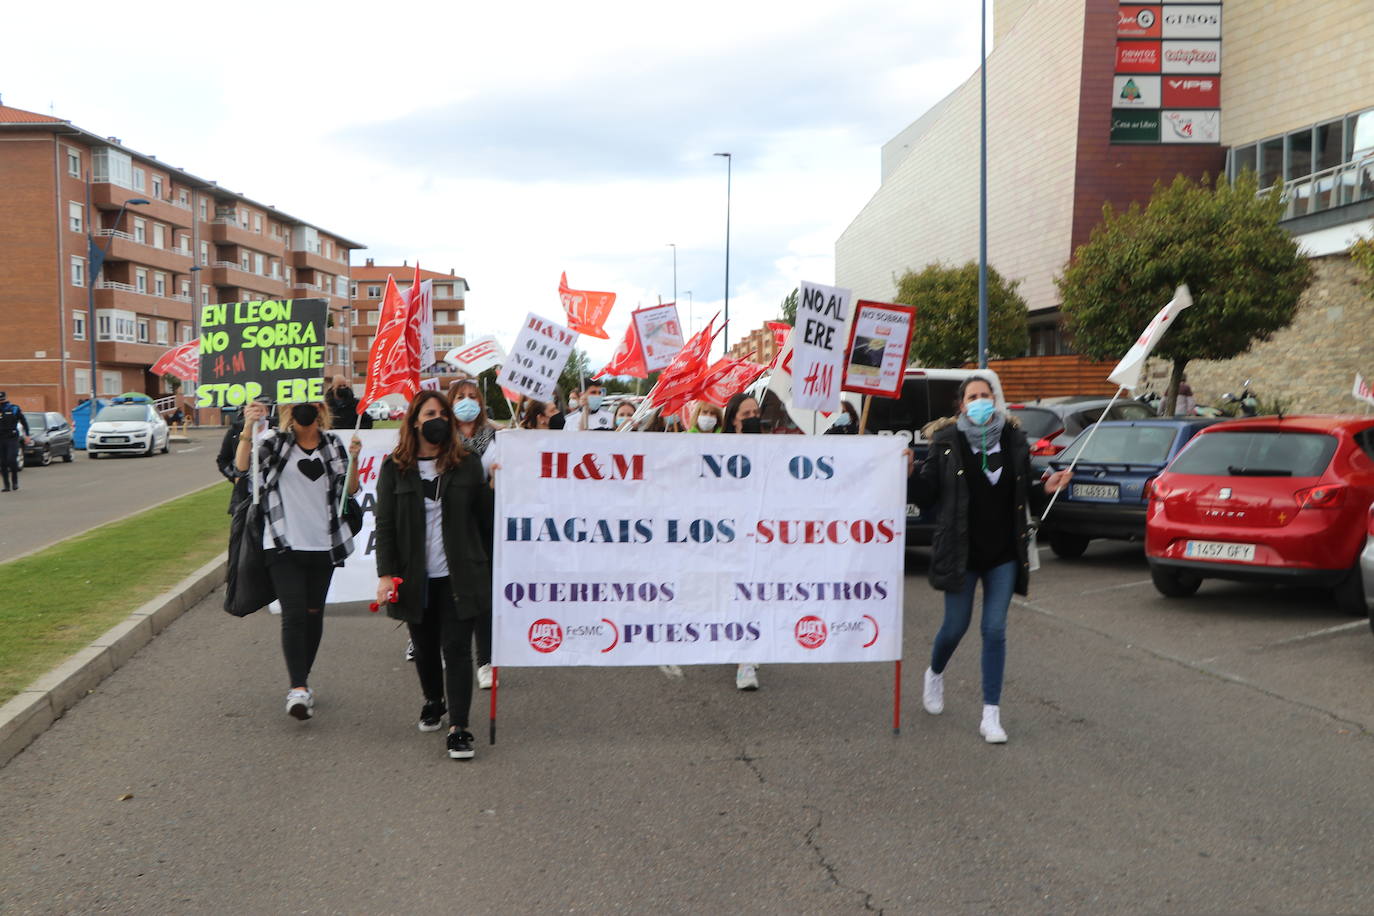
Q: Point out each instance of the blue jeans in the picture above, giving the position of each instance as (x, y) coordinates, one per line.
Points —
(998, 584)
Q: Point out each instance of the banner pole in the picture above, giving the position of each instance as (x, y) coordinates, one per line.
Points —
(863, 419)
(1073, 464)
(252, 437)
(343, 497)
(897, 698)
(495, 682)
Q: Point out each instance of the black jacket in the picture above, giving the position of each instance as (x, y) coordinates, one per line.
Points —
(940, 488)
(400, 532)
(11, 418)
(228, 447)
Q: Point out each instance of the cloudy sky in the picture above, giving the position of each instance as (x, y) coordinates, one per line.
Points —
(516, 141)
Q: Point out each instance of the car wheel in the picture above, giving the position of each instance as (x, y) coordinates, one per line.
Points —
(67, 456)
(151, 443)
(167, 444)
(46, 458)
(1171, 583)
(92, 455)
(1349, 594)
(1068, 546)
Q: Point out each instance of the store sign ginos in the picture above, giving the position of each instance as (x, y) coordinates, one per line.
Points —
(1191, 22)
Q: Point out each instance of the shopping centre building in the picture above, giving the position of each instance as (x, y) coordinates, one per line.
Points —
(1092, 102)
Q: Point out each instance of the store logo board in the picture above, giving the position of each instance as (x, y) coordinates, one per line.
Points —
(1190, 57)
(1191, 92)
(1136, 92)
(1190, 22)
(1139, 22)
(1135, 127)
(1137, 56)
(1190, 127)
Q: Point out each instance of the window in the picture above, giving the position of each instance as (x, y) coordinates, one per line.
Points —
(164, 332)
(276, 269)
(287, 271)
(244, 261)
(186, 288)
(1270, 162)
(111, 382)
(374, 292)
(75, 216)
(140, 230)
(81, 381)
(73, 163)
(113, 166)
(159, 235)
(157, 187)
(204, 210)
(1299, 154)
(258, 266)
(243, 218)
(140, 179)
(142, 330)
(184, 198)
(79, 327)
(159, 284)
(276, 230)
(1257, 453)
(353, 291)
(78, 271)
(257, 222)
(205, 295)
(185, 333)
(103, 325)
(118, 324)
(141, 279)
(204, 254)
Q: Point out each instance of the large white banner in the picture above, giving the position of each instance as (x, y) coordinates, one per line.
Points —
(356, 580)
(818, 344)
(664, 549)
(537, 359)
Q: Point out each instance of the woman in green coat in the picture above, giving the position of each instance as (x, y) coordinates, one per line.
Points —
(430, 496)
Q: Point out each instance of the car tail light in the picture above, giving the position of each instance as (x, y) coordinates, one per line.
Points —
(1045, 448)
(1149, 489)
(1328, 497)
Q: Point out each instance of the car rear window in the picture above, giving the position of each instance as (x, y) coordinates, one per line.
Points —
(1122, 445)
(1132, 410)
(35, 421)
(122, 413)
(1037, 422)
(1257, 453)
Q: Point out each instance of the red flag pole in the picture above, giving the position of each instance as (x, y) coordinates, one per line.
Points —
(495, 682)
(896, 699)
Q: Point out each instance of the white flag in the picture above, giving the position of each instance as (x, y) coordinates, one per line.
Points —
(476, 357)
(1362, 391)
(1127, 372)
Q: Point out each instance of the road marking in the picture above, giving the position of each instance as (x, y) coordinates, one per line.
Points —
(1317, 634)
(671, 671)
(186, 451)
(1112, 588)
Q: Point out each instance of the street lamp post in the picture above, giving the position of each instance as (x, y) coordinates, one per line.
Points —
(94, 272)
(673, 245)
(725, 332)
(690, 330)
(983, 199)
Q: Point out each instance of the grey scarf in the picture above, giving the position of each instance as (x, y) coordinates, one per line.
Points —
(982, 438)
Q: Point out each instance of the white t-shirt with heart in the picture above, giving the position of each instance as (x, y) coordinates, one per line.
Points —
(304, 489)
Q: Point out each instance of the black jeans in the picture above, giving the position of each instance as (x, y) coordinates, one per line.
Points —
(301, 578)
(9, 461)
(443, 652)
(482, 628)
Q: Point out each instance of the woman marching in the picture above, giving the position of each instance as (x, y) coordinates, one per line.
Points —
(976, 479)
(303, 471)
(475, 433)
(430, 496)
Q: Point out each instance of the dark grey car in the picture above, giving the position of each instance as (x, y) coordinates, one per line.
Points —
(51, 435)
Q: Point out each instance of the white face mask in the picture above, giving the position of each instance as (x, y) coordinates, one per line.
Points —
(706, 422)
(573, 404)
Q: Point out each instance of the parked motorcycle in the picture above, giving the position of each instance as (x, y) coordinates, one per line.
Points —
(1243, 405)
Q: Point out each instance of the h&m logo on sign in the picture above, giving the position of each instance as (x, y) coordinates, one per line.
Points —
(564, 466)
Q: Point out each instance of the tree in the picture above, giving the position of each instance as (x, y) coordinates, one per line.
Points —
(1245, 274)
(946, 300)
(576, 372)
(789, 307)
(1362, 253)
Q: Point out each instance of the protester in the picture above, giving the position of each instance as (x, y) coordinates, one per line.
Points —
(742, 416)
(177, 420)
(538, 415)
(11, 418)
(475, 433)
(846, 422)
(624, 413)
(982, 534)
(1187, 404)
(592, 415)
(343, 406)
(430, 499)
(303, 473)
(706, 418)
(574, 400)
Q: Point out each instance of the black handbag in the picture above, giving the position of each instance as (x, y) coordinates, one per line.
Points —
(353, 515)
(248, 587)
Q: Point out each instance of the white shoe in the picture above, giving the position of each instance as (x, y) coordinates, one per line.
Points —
(991, 729)
(300, 704)
(933, 697)
(746, 677)
(410, 650)
(484, 677)
(274, 607)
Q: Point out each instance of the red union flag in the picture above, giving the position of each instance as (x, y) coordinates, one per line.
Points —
(628, 358)
(679, 382)
(393, 366)
(726, 378)
(181, 362)
(587, 310)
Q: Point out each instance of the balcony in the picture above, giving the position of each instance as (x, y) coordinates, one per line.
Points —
(228, 232)
(107, 196)
(313, 260)
(123, 247)
(125, 353)
(229, 273)
(112, 295)
(1347, 183)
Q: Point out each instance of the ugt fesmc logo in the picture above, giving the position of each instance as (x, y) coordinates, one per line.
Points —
(810, 632)
(545, 635)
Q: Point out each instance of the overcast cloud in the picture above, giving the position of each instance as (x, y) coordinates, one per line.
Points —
(513, 142)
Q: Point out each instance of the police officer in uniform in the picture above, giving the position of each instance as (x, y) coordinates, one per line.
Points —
(11, 418)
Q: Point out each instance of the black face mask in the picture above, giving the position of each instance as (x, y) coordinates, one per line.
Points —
(437, 431)
(751, 425)
(305, 414)
(557, 421)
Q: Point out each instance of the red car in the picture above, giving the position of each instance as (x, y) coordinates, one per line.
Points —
(1267, 499)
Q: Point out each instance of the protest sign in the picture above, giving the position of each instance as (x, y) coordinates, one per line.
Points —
(879, 342)
(476, 357)
(537, 359)
(357, 579)
(660, 334)
(272, 349)
(818, 346)
(600, 561)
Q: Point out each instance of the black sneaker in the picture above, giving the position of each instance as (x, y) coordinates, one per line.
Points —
(460, 745)
(432, 715)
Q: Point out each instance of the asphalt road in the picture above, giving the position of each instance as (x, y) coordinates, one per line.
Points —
(62, 499)
(1212, 755)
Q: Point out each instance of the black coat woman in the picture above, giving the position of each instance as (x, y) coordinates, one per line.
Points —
(430, 498)
(302, 474)
(975, 481)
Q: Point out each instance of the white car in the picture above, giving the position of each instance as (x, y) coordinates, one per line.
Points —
(134, 429)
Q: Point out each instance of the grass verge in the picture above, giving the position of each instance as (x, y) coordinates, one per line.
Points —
(58, 600)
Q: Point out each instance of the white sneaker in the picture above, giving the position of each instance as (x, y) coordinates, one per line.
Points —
(410, 650)
(991, 729)
(274, 607)
(933, 698)
(300, 704)
(484, 677)
(746, 678)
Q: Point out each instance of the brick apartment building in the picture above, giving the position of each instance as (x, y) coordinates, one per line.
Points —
(369, 283)
(192, 243)
(759, 342)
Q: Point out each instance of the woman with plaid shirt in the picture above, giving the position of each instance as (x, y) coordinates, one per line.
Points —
(303, 471)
